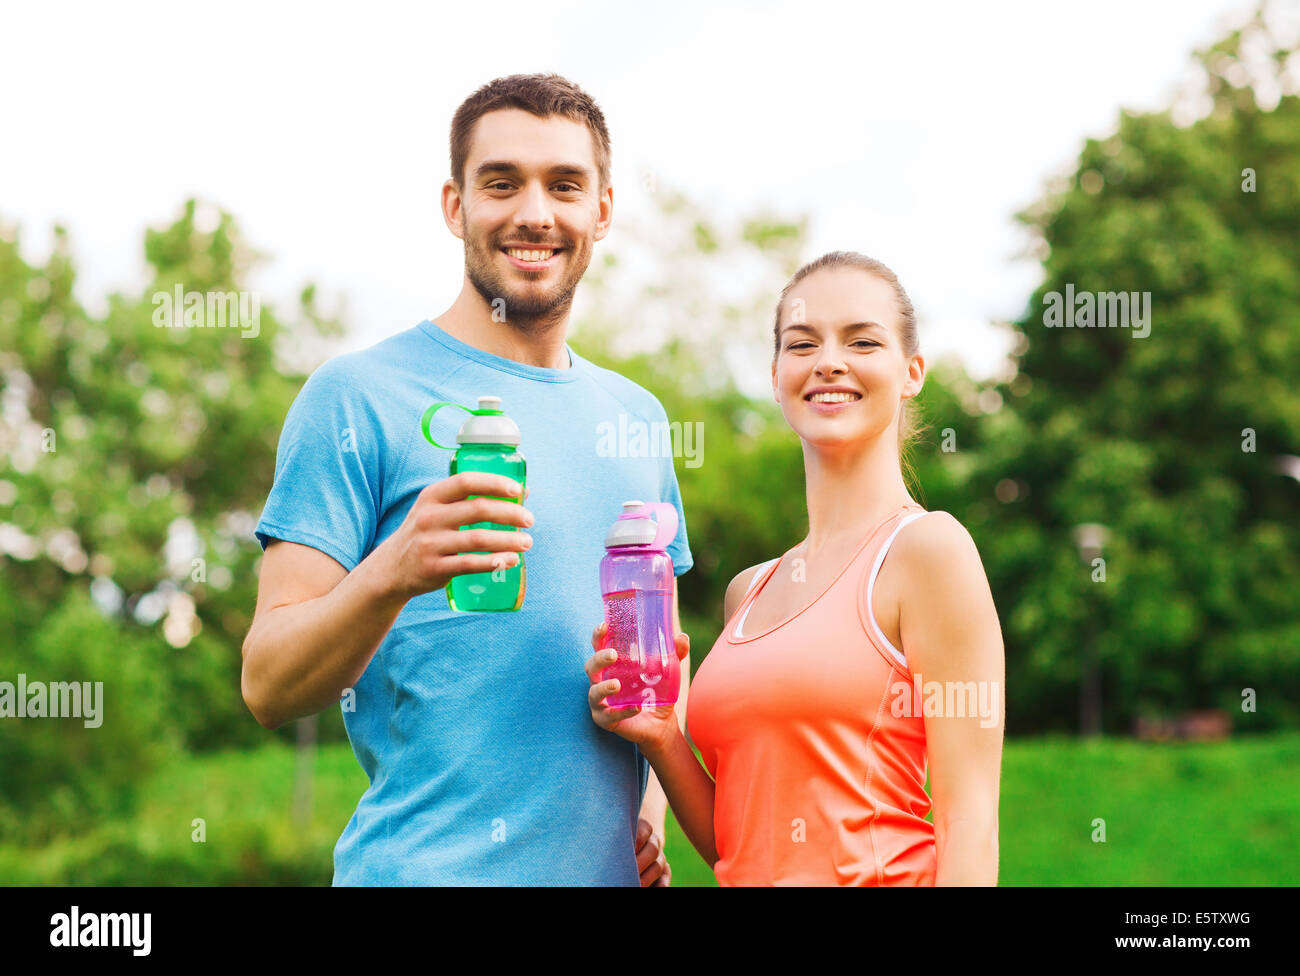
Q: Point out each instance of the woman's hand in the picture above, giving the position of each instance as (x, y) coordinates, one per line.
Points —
(650, 728)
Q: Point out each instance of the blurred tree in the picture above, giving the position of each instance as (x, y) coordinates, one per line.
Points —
(1171, 440)
(136, 456)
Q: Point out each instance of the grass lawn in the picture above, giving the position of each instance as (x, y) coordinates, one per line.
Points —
(1179, 814)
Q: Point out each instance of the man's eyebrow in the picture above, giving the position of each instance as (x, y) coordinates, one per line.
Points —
(509, 166)
(850, 327)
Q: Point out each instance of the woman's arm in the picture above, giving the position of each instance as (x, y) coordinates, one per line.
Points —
(949, 630)
(689, 789)
(662, 737)
(656, 732)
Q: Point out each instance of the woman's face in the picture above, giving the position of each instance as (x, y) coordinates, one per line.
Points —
(841, 374)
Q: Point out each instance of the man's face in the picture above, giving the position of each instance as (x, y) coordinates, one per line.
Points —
(529, 212)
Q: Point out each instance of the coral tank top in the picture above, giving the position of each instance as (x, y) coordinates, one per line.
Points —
(818, 781)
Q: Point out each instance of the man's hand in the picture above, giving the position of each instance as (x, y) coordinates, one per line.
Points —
(650, 860)
(429, 548)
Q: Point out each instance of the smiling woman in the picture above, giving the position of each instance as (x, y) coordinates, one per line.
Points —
(863, 335)
(816, 759)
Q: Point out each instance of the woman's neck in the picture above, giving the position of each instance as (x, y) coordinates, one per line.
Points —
(850, 490)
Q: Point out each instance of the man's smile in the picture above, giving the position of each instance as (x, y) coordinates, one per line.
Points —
(531, 257)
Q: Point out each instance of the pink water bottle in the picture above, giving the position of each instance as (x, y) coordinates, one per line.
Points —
(636, 581)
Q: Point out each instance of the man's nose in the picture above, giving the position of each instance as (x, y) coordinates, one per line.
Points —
(534, 208)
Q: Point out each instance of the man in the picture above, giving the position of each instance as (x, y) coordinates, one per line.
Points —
(484, 764)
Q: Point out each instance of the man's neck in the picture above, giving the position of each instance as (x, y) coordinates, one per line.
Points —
(534, 342)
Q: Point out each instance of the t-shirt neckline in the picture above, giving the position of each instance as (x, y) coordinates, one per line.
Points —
(542, 374)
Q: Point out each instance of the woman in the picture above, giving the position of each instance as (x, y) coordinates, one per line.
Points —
(816, 712)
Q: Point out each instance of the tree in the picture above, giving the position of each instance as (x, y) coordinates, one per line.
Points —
(1171, 439)
(136, 456)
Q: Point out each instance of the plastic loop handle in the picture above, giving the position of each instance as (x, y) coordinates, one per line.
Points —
(428, 419)
(666, 519)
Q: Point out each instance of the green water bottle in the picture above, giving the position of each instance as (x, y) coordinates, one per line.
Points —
(489, 441)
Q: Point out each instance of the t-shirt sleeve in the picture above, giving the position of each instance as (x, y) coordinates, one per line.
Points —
(679, 549)
(326, 492)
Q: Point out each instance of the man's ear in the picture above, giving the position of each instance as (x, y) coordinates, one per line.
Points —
(605, 213)
(915, 377)
(453, 214)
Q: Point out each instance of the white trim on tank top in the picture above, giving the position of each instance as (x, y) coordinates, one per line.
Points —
(871, 584)
(752, 581)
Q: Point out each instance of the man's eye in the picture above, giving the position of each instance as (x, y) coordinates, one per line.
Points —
(571, 188)
(499, 184)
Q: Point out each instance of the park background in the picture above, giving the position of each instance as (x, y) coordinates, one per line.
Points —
(1161, 696)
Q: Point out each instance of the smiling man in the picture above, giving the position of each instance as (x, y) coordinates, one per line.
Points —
(484, 764)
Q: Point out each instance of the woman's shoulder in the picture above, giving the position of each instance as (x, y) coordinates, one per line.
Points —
(936, 549)
(936, 535)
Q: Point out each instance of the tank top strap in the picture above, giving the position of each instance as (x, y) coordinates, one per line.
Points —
(872, 558)
(882, 536)
(759, 578)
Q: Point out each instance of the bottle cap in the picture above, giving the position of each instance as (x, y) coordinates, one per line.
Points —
(632, 528)
(486, 425)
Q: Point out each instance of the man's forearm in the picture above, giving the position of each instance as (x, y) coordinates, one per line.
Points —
(301, 657)
(654, 807)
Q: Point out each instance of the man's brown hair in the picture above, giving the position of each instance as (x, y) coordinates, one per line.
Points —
(543, 95)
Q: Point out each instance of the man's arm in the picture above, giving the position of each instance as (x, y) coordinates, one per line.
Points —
(314, 631)
(317, 626)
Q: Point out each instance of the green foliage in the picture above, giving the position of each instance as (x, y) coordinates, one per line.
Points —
(1151, 436)
(58, 768)
(123, 437)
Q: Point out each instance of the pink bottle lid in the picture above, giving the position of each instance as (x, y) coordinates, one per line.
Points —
(635, 529)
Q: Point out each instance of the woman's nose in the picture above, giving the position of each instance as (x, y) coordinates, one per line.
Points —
(830, 363)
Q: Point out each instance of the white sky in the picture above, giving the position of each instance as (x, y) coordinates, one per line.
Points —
(909, 131)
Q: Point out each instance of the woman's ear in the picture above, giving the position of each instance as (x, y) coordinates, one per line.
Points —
(774, 396)
(915, 377)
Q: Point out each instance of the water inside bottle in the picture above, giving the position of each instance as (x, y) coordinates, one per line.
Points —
(640, 630)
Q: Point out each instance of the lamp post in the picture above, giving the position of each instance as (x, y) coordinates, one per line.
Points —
(1090, 537)
(1288, 464)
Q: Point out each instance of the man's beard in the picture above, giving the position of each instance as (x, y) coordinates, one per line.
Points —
(529, 312)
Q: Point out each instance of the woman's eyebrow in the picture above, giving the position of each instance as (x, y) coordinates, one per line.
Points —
(850, 327)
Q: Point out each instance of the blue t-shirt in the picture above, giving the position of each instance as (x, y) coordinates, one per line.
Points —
(485, 766)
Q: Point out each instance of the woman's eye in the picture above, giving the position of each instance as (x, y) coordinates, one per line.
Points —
(866, 343)
(800, 345)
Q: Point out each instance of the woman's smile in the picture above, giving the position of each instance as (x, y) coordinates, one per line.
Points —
(831, 399)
